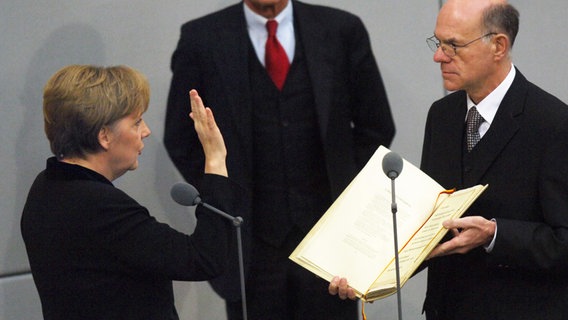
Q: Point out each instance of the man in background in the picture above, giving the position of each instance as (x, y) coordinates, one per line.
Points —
(298, 96)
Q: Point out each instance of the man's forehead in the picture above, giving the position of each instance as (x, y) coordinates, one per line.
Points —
(457, 23)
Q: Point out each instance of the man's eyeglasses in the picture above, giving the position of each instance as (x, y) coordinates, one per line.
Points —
(450, 49)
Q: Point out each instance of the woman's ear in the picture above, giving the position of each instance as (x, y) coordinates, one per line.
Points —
(105, 137)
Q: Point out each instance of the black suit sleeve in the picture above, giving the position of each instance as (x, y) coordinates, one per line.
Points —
(541, 242)
(373, 121)
(180, 138)
(144, 245)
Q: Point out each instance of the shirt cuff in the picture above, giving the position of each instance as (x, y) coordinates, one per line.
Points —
(489, 247)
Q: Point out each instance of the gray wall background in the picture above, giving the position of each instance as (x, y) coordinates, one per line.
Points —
(38, 37)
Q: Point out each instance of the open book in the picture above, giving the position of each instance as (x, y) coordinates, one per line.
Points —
(354, 238)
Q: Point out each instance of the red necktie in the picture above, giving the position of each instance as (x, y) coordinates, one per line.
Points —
(275, 58)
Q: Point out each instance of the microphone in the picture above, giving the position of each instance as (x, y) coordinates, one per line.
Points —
(187, 195)
(392, 166)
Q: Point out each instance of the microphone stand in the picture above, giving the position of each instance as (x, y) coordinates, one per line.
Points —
(394, 210)
(237, 222)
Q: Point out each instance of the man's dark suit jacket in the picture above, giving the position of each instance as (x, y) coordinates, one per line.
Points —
(524, 160)
(212, 56)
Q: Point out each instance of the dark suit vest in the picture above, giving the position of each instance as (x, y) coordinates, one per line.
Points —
(291, 187)
(468, 163)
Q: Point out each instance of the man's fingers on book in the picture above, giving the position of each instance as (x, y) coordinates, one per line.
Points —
(340, 286)
(334, 286)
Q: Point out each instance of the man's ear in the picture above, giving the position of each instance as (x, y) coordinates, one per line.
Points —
(501, 46)
(105, 137)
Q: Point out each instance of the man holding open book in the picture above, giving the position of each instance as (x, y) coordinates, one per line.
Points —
(507, 258)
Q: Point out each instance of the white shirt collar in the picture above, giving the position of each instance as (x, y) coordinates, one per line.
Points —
(256, 25)
(489, 105)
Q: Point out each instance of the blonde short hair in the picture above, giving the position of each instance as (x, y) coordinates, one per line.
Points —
(79, 100)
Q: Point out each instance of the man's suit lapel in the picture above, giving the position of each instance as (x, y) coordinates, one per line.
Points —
(451, 129)
(232, 63)
(319, 60)
(502, 130)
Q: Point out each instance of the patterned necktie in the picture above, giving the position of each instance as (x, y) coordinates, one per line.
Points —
(474, 120)
(275, 58)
